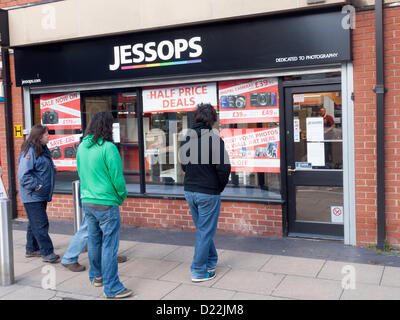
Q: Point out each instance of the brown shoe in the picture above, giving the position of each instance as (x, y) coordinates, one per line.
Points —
(122, 259)
(74, 267)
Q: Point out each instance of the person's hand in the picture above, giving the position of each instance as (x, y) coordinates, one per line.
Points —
(38, 188)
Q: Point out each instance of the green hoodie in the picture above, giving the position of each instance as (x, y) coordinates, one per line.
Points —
(100, 172)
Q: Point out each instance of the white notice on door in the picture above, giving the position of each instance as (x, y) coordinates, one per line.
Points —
(336, 214)
(296, 128)
(315, 129)
(316, 153)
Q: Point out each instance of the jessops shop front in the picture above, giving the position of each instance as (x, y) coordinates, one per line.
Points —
(282, 88)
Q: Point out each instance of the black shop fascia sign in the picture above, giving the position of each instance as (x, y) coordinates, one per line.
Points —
(241, 45)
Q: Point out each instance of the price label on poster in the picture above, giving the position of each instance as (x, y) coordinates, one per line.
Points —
(249, 101)
(63, 150)
(179, 99)
(61, 111)
(253, 150)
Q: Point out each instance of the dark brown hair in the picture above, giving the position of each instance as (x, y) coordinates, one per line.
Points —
(205, 113)
(101, 126)
(34, 137)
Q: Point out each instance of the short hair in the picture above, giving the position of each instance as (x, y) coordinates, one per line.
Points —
(205, 113)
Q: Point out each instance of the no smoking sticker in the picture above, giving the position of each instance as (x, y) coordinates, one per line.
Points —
(336, 214)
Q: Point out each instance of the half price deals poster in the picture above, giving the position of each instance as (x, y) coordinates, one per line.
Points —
(180, 98)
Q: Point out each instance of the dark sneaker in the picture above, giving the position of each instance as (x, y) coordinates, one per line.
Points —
(51, 258)
(97, 282)
(123, 294)
(122, 259)
(209, 276)
(31, 254)
(74, 267)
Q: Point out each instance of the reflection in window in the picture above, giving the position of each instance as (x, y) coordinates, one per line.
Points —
(318, 129)
(162, 134)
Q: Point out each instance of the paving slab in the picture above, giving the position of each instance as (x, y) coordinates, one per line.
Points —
(148, 289)
(252, 296)
(371, 292)
(182, 254)
(36, 276)
(243, 260)
(146, 268)
(391, 277)
(363, 273)
(194, 292)
(305, 288)
(5, 290)
(294, 265)
(150, 250)
(80, 284)
(181, 274)
(30, 293)
(249, 281)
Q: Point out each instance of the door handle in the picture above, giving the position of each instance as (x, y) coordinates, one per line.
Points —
(290, 170)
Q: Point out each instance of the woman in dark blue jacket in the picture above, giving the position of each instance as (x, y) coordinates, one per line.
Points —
(36, 174)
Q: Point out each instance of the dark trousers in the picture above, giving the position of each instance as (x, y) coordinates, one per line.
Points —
(37, 236)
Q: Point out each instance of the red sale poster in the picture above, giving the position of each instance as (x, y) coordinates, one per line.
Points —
(61, 111)
(63, 150)
(249, 101)
(179, 99)
(253, 150)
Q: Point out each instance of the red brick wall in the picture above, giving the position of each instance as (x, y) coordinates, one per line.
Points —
(365, 125)
(240, 218)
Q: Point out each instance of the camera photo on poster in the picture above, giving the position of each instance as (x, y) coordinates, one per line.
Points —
(248, 101)
(61, 111)
(252, 150)
(63, 149)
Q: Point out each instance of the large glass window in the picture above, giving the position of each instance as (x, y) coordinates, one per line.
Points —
(123, 106)
(248, 121)
(249, 125)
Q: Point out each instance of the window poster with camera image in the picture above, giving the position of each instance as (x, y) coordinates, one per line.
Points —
(180, 98)
(253, 150)
(63, 150)
(249, 101)
(61, 111)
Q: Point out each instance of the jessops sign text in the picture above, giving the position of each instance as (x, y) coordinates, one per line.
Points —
(133, 56)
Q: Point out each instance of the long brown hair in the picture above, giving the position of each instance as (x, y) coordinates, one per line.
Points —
(101, 126)
(34, 137)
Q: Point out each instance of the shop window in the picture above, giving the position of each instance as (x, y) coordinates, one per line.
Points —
(123, 106)
(168, 112)
(249, 125)
(67, 116)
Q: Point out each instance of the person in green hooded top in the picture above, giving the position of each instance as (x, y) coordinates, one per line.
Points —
(103, 190)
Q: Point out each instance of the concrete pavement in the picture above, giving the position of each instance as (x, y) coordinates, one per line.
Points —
(160, 271)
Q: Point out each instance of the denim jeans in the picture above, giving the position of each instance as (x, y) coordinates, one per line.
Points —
(103, 242)
(205, 210)
(77, 244)
(37, 235)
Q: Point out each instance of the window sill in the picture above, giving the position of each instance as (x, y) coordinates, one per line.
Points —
(172, 192)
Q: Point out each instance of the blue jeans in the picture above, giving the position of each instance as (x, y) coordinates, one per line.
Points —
(77, 244)
(205, 210)
(37, 233)
(103, 242)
